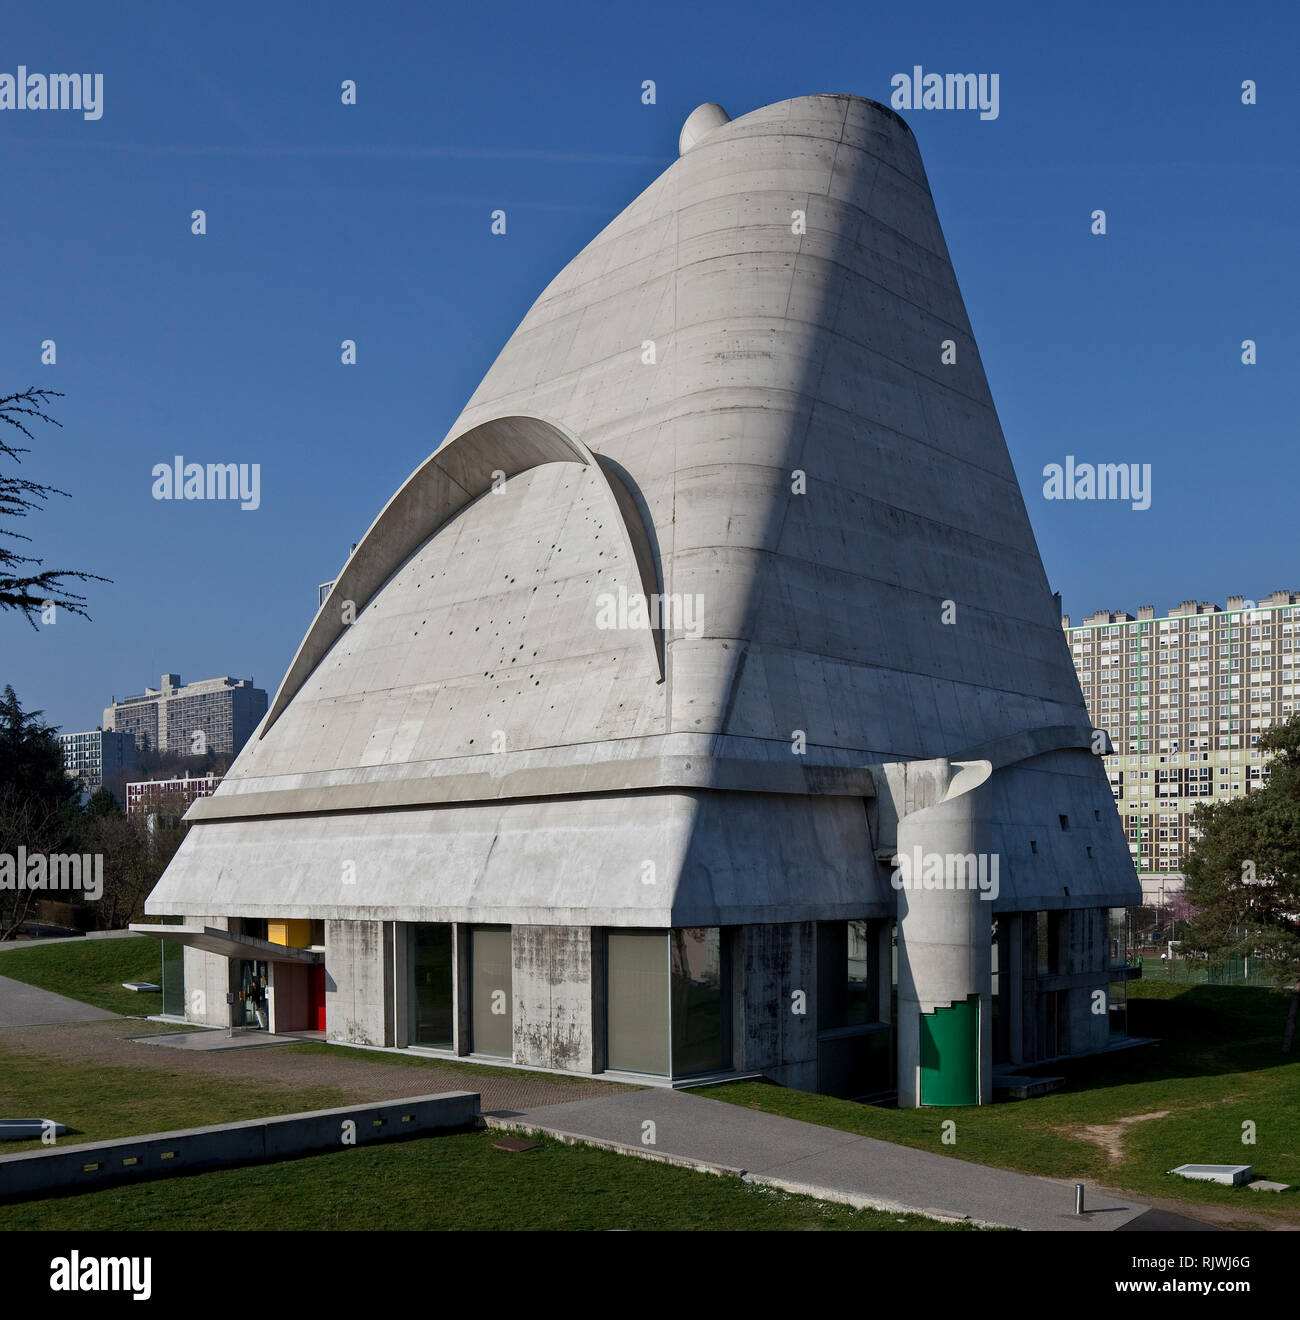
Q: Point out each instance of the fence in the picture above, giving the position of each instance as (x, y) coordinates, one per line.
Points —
(1197, 971)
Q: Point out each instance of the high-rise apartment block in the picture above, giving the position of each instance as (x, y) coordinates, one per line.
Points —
(1185, 698)
(92, 758)
(212, 715)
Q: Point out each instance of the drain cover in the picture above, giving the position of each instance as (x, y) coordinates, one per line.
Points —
(516, 1145)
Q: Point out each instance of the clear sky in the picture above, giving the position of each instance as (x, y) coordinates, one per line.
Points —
(371, 222)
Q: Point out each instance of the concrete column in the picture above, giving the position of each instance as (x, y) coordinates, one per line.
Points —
(942, 870)
(885, 967)
(209, 977)
(358, 990)
(774, 1003)
(553, 1008)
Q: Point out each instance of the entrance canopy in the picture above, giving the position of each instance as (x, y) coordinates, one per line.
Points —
(212, 940)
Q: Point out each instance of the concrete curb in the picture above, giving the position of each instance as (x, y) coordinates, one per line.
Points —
(861, 1202)
(618, 1147)
(817, 1193)
(95, 1164)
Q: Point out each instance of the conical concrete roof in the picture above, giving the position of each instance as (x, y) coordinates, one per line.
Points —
(734, 398)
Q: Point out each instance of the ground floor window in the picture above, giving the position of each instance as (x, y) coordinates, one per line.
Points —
(173, 978)
(636, 998)
(854, 1044)
(1118, 1006)
(700, 994)
(491, 986)
(430, 980)
(667, 998)
(848, 979)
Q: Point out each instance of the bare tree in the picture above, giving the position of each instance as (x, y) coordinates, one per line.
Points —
(30, 822)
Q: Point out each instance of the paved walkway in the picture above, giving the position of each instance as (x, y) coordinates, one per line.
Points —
(824, 1162)
(207, 1041)
(23, 1005)
(66, 939)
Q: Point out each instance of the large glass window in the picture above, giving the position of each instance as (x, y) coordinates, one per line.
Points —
(490, 991)
(430, 975)
(848, 994)
(636, 991)
(699, 994)
(667, 1001)
(173, 978)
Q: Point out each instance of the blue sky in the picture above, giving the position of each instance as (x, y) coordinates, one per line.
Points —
(371, 222)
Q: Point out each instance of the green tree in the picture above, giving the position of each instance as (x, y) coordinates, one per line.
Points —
(38, 805)
(25, 585)
(1243, 873)
(31, 759)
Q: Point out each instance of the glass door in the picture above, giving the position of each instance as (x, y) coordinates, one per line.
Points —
(251, 1001)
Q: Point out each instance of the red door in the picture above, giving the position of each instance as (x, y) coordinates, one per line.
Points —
(318, 997)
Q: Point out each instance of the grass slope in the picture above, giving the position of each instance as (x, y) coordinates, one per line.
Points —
(92, 971)
(455, 1181)
(1123, 1119)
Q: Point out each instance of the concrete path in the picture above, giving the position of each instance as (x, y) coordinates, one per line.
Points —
(207, 1041)
(822, 1162)
(23, 1005)
(70, 939)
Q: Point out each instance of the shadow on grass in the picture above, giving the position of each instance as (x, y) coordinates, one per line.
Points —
(1201, 1031)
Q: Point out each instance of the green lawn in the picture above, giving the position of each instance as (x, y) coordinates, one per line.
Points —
(99, 1101)
(455, 1181)
(96, 1102)
(92, 971)
(1219, 1064)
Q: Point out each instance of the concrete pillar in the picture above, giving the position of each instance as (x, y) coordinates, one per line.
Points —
(359, 984)
(942, 871)
(209, 977)
(885, 967)
(774, 1002)
(552, 992)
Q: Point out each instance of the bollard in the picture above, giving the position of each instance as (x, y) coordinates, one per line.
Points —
(1078, 1198)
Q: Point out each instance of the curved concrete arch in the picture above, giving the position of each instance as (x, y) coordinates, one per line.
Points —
(455, 475)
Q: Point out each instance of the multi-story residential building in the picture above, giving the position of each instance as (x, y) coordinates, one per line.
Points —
(93, 757)
(1185, 698)
(148, 796)
(212, 715)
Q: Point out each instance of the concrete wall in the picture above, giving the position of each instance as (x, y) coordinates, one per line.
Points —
(209, 977)
(359, 982)
(944, 935)
(556, 1009)
(92, 1164)
(769, 964)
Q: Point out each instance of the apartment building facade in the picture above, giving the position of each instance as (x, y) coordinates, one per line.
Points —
(211, 715)
(149, 796)
(93, 757)
(1185, 698)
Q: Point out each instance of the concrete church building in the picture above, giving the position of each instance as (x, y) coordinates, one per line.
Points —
(700, 706)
